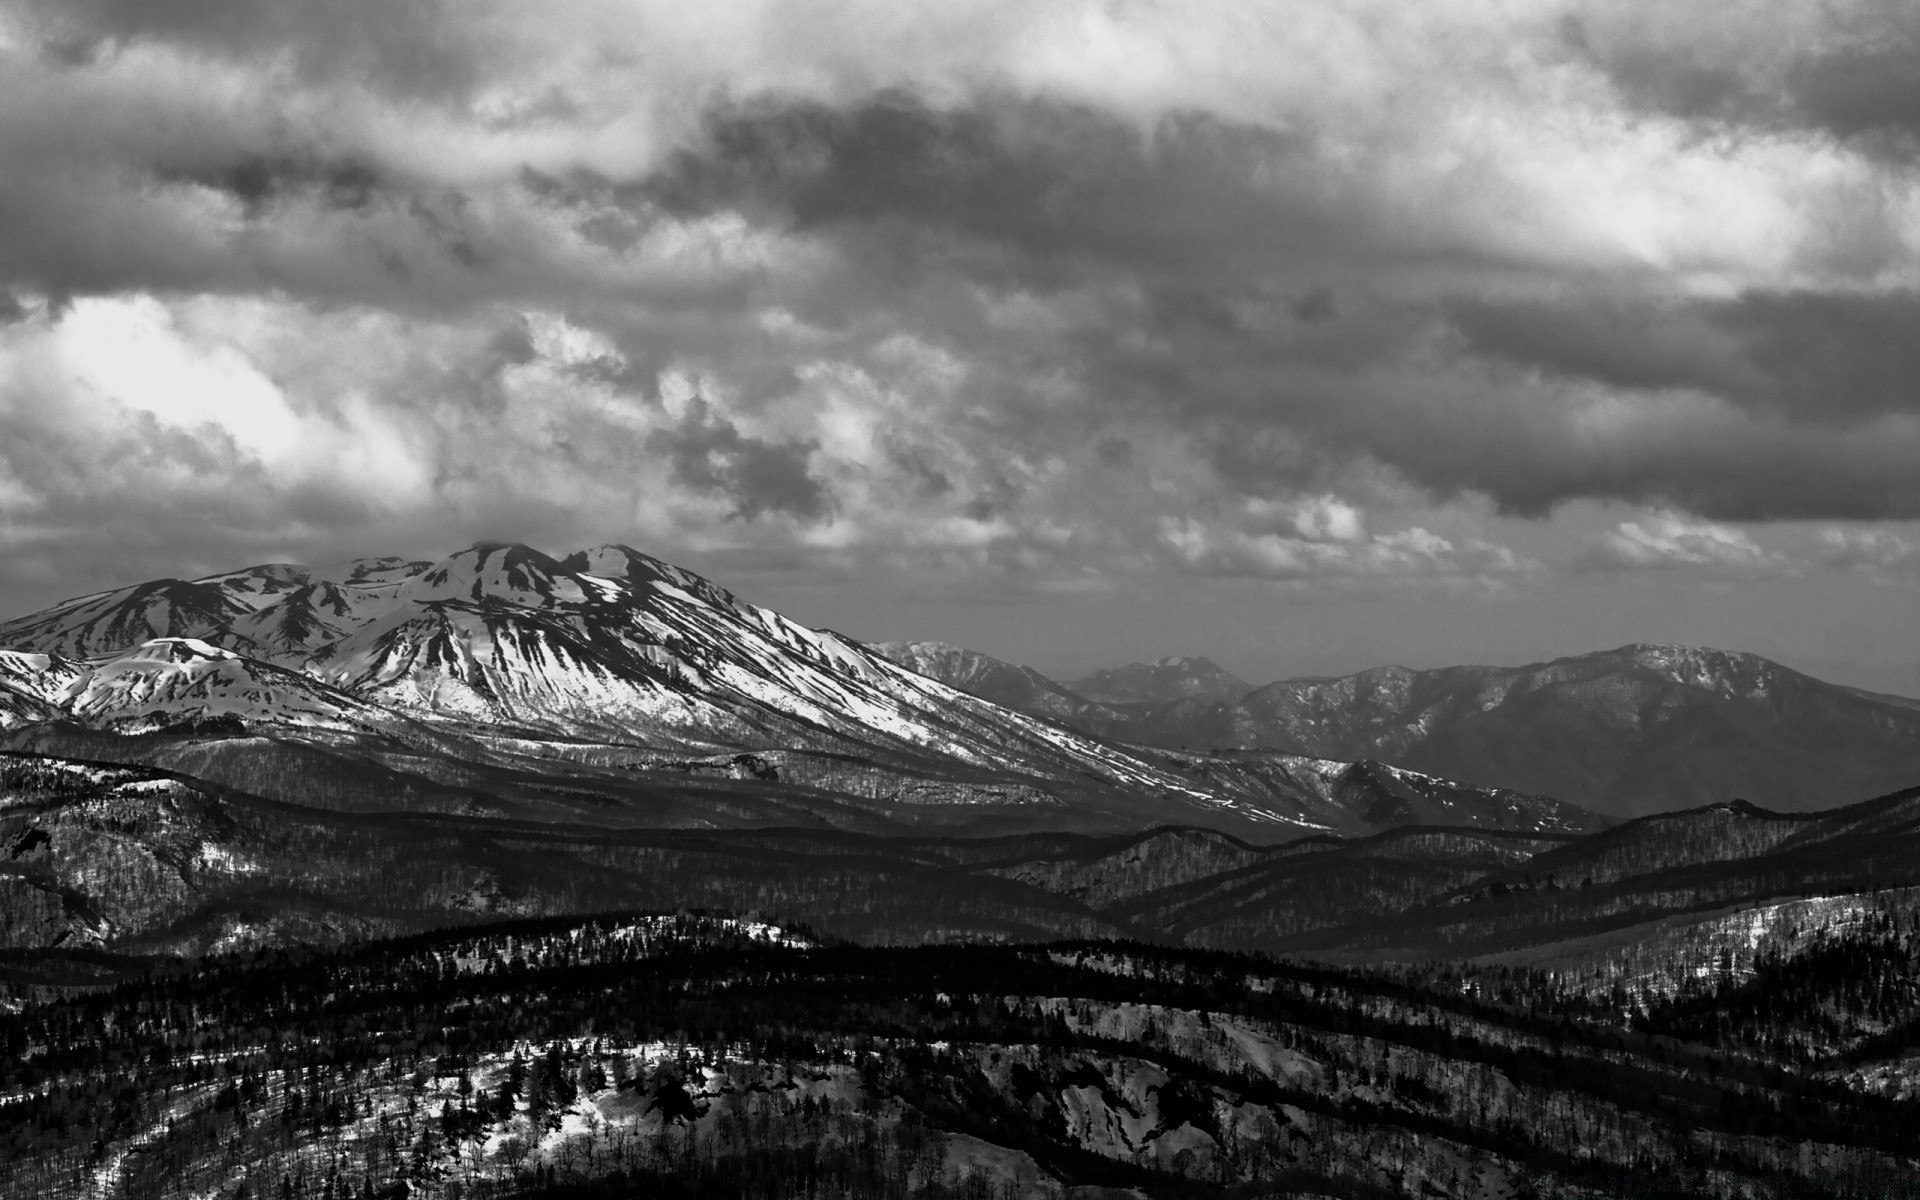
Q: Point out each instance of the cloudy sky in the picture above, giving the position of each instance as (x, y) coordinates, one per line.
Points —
(1305, 336)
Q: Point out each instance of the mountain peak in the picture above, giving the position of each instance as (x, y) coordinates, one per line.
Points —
(499, 571)
(624, 563)
(1730, 673)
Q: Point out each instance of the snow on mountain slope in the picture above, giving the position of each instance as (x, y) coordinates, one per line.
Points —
(20, 707)
(107, 621)
(369, 573)
(1339, 795)
(606, 645)
(168, 681)
(613, 643)
(31, 686)
(530, 669)
(263, 609)
(43, 676)
(257, 587)
(300, 624)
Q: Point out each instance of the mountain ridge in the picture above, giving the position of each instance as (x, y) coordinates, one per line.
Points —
(500, 645)
(1638, 728)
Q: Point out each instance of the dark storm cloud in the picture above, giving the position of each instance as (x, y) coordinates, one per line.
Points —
(1820, 357)
(407, 48)
(1860, 82)
(1870, 90)
(1198, 223)
(1047, 180)
(1733, 420)
(710, 454)
(259, 182)
(1700, 460)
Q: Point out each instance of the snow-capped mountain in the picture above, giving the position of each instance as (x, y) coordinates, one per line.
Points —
(610, 655)
(607, 646)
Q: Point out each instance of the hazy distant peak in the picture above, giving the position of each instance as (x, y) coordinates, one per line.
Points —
(955, 666)
(1175, 677)
(928, 651)
(1731, 673)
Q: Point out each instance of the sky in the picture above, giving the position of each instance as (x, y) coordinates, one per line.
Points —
(1307, 337)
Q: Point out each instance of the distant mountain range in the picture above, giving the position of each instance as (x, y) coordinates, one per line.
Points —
(1635, 730)
(1166, 679)
(613, 687)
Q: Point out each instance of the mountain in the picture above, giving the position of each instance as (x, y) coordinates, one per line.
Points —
(596, 687)
(609, 644)
(1162, 680)
(1022, 689)
(1634, 730)
(114, 620)
(1628, 731)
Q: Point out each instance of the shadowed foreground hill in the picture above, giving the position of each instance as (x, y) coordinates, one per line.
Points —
(133, 861)
(702, 1057)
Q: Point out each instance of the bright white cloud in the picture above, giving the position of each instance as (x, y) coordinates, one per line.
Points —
(1875, 551)
(1669, 540)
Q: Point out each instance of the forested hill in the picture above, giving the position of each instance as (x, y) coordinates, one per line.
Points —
(704, 1056)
